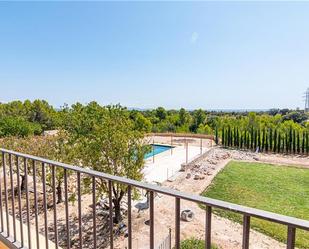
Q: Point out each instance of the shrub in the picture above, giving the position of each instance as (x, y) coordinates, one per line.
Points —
(194, 243)
(15, 126)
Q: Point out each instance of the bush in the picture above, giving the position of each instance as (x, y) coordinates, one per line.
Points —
(15, 126)
(194, 243)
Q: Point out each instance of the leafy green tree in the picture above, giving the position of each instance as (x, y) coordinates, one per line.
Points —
(110, 143)
(142, 123)
(43, 113)
(161, 113)
(184, 117)
(54, 147)
(199, 118)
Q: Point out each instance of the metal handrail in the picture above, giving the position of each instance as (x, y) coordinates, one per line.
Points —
(247, 212)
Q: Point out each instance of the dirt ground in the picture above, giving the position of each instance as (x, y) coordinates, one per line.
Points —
(225, 233)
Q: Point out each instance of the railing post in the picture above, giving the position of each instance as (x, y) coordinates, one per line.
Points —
(45, 205)
(170, 238)
(129, 217)
(1, 201)
(13, 196)
(54, 204)
(6, 200)
(177, 223)
(94, 213)
(208, 228)
(27, 202)
(151, 211)
(291, 238)
(67, 208)
(80, 235)
(246, 232)
(111, 222)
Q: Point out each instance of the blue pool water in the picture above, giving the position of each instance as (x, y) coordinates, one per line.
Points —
(157, 149)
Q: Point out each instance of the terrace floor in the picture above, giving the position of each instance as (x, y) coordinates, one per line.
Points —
(168, 163)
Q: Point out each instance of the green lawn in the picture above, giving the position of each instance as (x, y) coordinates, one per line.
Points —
(279, 189)
(194, 244)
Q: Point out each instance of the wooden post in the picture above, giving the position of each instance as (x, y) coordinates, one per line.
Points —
(201, 146)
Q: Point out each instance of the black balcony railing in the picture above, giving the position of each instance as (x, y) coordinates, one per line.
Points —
(13, 234)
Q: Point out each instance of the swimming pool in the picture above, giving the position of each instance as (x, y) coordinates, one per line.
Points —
(157, 149)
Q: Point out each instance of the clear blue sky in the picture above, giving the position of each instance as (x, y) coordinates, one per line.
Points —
(142, 54)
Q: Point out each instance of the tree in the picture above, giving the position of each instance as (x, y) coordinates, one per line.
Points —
(112, 146)
(199, 117)
(161, 113)
(43, 113)
(55, 148)
(141, 123)
(184, 117)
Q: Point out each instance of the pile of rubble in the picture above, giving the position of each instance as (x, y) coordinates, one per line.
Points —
(207, 165)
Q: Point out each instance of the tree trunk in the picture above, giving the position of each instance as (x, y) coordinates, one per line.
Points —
(23, 183)
(117, 207)
(59, 193)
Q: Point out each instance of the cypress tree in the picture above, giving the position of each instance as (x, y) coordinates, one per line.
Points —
(275, 141)
(259, 139)
(279, 143)
(307, 143)
(303, 143)
(226, 137)
(263, 140)
(241, 140)
(255, 139)
(251, 139)
(287, 144)
(290, 139)
(245, 139)
(229, 139)
(270, 139)
(216, 140)
(266, 142)
(298, 143)
(294, 141)
(235, 137)
(222, 136)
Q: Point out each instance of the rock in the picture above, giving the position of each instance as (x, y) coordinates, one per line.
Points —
(184, 167)
(187, 215)
(256, 158)
(188, 176)
(196, 177)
